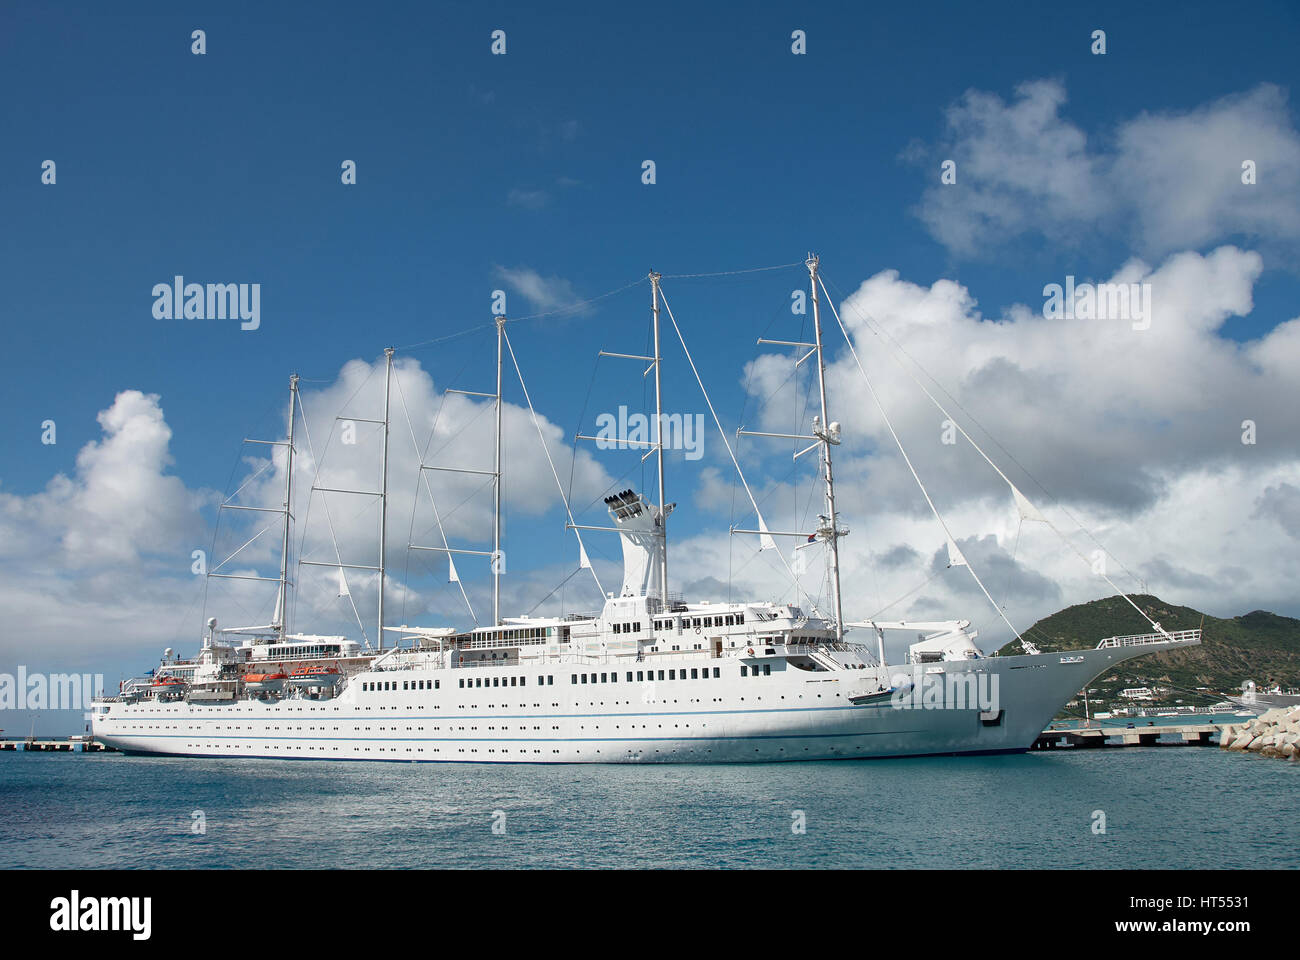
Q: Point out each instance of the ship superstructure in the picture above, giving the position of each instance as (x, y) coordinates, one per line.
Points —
(649, 677)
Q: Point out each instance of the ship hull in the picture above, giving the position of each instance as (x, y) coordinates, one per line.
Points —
(789, 715)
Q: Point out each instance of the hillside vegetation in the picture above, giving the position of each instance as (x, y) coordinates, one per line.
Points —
(1258, 646)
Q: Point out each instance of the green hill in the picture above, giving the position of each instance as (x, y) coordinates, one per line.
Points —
(1258, 646)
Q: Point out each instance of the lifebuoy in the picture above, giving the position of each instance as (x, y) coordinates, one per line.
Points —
(697, 629)
(751, 651)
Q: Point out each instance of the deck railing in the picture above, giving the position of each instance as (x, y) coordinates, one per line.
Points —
(1142, 639)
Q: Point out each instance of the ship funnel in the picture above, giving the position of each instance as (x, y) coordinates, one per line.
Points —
(641, 530)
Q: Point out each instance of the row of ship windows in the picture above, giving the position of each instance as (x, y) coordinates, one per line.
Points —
(501, 682)
(730, 620)
(641, 676)
(635, 752)
(390, 685)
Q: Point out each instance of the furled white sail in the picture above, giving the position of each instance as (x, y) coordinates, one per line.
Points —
(1027, 510)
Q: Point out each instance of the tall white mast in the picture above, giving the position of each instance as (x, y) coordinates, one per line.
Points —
(282, 601)
(822, 429)
(618, 504)
(659, 440)
(383, 490)
(496, 491)
(279, 617)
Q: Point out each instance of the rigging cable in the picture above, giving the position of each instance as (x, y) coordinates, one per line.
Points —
(954, 552)
(1035, 515)
(879, 330)
(328, 519)
(765, 538)
(424, 476)
(560, 487)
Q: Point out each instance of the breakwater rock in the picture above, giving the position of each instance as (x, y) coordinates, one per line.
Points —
(1275, 733)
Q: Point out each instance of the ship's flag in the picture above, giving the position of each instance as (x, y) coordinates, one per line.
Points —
(1027, 510)
(343, 585)
(955, 556)
(452, 575)
(584, 562)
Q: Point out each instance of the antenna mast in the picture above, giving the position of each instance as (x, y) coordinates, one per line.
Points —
(829, 435)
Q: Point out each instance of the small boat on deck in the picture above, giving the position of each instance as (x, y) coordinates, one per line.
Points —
(264, 682)
(166, 686)
(314, 677)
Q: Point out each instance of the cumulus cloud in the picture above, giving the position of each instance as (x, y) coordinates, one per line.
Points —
(1281, 504)
(97, 567)
(1161, 181)
(1137, 434)
(120, 506)
(436, 429)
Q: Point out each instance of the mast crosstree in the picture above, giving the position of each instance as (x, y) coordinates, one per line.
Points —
(655, 521)
(825, 434)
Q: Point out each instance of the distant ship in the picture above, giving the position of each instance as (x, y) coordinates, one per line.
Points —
(649, 678)
(1258, 701)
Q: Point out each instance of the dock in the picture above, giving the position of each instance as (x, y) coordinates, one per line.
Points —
(54, 745)
(1189, 734)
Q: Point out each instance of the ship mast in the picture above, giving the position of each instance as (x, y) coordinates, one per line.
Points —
(383, 489)
(279, 617)
(281, 602)
(659, 440)
(829, 435)
(655, 446)
(496, 491)
(825, 434)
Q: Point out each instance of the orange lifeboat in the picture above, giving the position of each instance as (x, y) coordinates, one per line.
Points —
(164, 686)
(264, 682)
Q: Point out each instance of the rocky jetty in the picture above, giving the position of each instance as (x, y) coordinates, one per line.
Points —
(1272, 734)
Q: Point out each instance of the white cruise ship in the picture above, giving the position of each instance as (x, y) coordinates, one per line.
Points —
(648, 678)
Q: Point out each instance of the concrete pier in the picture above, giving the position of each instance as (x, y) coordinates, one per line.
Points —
(1189, 734)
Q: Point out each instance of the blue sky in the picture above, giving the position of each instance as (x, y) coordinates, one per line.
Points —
(225, 167)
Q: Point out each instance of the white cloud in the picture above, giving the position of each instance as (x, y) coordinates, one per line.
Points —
(120, 506)
(97, 567)
(1137, 433)
(1161, 180)
(544, 294)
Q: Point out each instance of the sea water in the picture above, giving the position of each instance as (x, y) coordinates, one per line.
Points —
(1135, 807)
